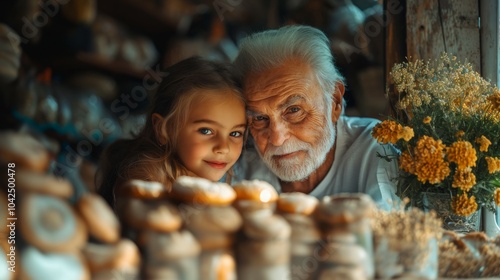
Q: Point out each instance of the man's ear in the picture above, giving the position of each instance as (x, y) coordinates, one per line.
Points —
(337, 105)
(158, 127)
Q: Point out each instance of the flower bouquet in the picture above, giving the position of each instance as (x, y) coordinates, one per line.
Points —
(446, 125)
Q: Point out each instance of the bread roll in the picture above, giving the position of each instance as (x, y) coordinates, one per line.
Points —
(121, 255)
(99, 218)
(200, 191)
(23, 150)
(51, 224)
(160, 215)
(297, 202)
(256, 190)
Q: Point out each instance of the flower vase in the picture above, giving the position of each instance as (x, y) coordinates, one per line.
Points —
(491, 223)
(441, 204)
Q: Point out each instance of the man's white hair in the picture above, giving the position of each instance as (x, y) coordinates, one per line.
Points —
(271, 48)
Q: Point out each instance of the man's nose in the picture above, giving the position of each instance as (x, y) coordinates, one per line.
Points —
(278, 133)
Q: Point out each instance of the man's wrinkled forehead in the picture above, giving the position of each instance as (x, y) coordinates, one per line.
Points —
(292, 73)
(255, 108)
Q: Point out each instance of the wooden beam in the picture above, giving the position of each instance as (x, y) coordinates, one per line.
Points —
(436, 26)
(395, 40)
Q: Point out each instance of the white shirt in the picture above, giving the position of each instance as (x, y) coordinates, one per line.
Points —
(356, 167)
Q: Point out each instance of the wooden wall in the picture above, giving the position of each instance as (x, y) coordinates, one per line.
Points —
(436, 26)
(423, 29)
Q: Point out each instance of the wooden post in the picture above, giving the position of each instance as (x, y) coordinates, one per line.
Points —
(436, 26)
(395, 39)
(490, 62)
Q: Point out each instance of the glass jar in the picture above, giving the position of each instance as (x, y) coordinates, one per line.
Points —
(297, 208)
(304, 242)
(214, 228)
(406, 244)
(409, 260)
(173, 255)
(263, 248)
(345, 223)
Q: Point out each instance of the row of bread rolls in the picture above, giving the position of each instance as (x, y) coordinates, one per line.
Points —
(265, 230)
(197, 219)
(254, 225)
(82, 235)
(78, 235)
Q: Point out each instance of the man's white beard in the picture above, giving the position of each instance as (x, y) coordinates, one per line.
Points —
(297, 168)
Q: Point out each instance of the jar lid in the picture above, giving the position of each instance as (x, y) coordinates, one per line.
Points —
(344, 208)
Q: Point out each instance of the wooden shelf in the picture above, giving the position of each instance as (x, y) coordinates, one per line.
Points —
(94, 62)
(137, 15)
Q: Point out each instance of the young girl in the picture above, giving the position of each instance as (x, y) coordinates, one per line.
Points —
(195, 126)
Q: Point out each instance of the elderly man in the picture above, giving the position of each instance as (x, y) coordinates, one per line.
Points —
(295, 102)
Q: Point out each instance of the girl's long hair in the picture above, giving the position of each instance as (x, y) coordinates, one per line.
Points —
(151, 156)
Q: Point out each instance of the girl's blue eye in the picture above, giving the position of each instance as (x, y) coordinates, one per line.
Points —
(236, 134)
(205, 131)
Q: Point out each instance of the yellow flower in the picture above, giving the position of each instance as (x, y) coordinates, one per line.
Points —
(434, 171)
(429, 160)
(462, 153)
(406, 162)
(386, 131)
(464, 179)
(497, 196)
(494, 100)
(390, 132)
(493, 164)
(484, 143)
(463, 205)
(446, 120)
(407, 133)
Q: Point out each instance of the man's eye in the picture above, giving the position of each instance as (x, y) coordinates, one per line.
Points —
(259, 118)
(294, 114)
(205, 131)
(259, 122)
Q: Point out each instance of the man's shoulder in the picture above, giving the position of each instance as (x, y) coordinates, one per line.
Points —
(354, 129)
(355, 135)
(359, 123)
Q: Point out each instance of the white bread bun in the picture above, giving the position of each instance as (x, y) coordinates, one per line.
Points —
(200, 191)
(256, 190)
(143, 189)
(297, 202)
(100, 219)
